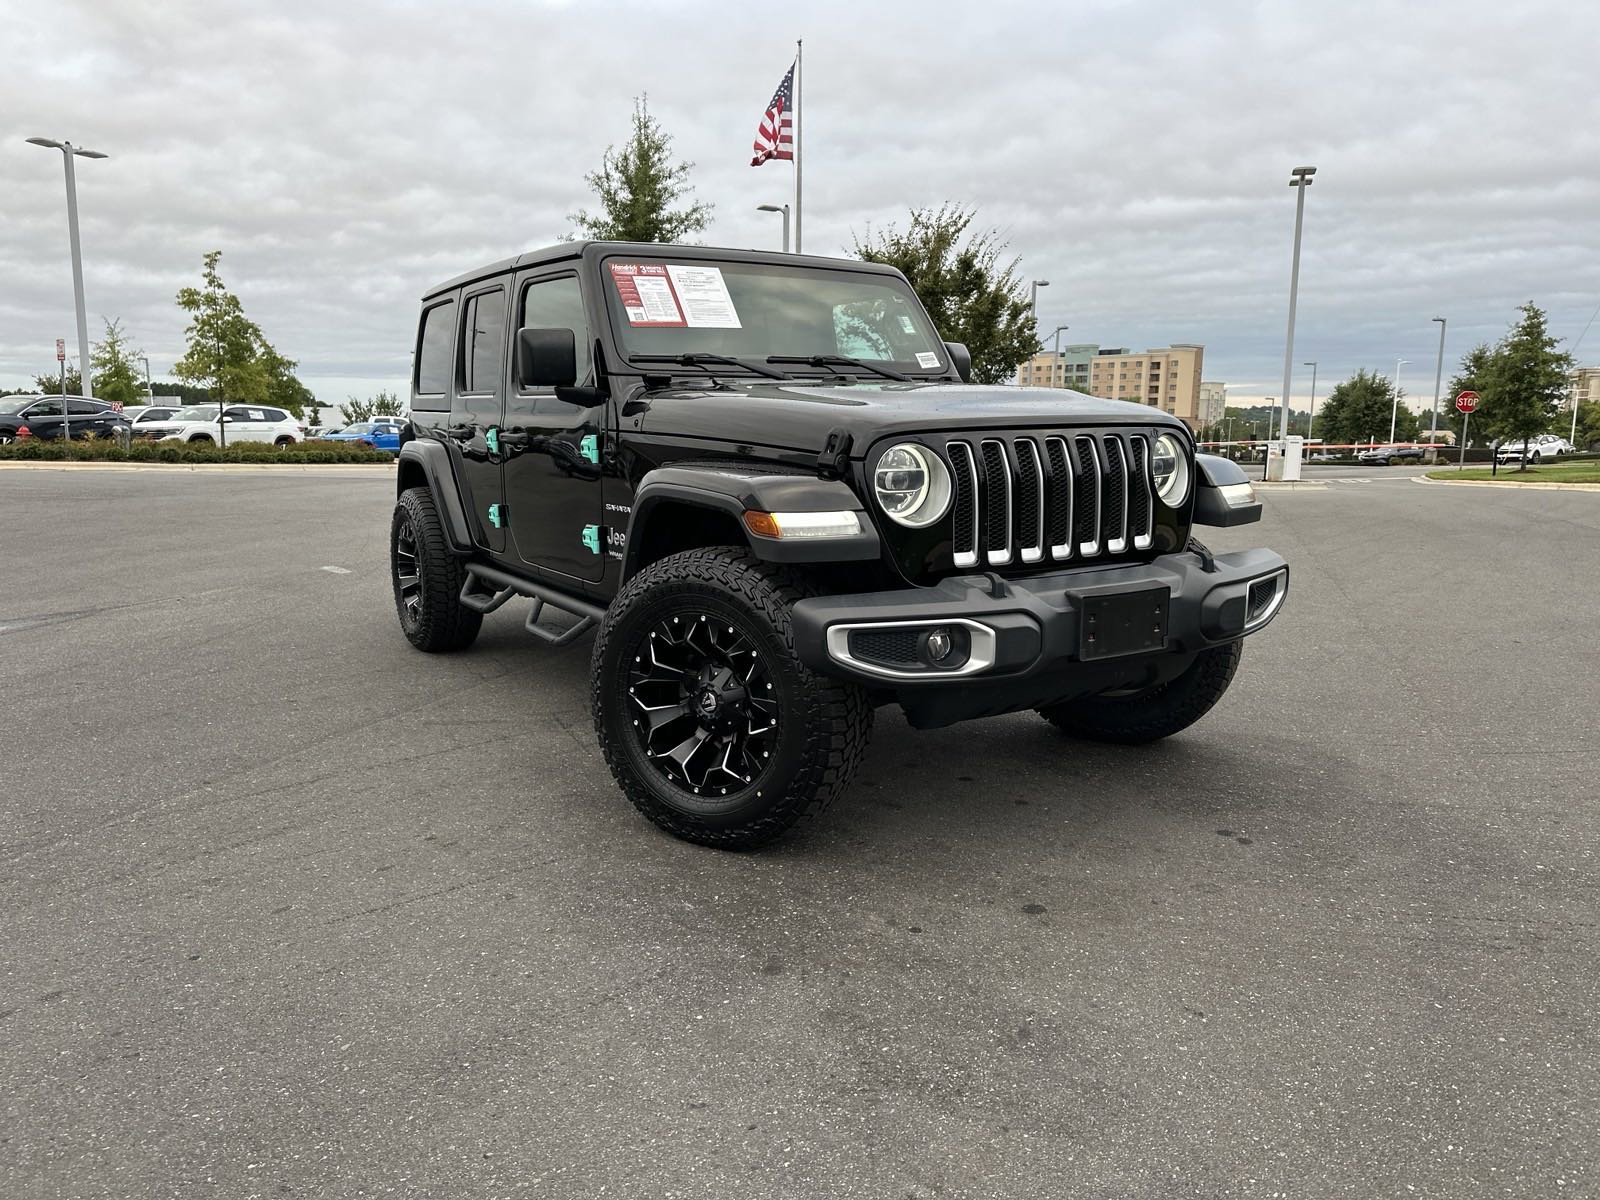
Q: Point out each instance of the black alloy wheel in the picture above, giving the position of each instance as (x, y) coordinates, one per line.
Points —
(407, 573)
(705, 715)
(712, 725)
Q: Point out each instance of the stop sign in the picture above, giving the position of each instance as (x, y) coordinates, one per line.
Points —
(1467, 401)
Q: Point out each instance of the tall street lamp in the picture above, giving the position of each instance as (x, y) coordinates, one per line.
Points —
(779, 208)
(1438, 376)
(1311, 421)
(1394, 409)
(149, 391)
(68, 153)
(1056, 360)
(1299, 180)
(1033, 299)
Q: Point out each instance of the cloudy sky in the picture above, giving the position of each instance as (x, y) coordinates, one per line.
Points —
(343, 156)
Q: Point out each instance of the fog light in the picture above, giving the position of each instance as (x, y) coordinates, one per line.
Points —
(944, 647)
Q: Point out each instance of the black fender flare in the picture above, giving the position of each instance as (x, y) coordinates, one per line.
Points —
(735, 492)
(431, 460)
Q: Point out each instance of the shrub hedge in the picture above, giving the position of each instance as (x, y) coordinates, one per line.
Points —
(110, 450)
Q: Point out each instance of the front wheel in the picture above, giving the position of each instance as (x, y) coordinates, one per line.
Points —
(711, 724)
(1534, 457)
(1155, 713)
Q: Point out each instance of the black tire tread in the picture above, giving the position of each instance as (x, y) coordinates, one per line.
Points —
(837, 715)
(444, 624)
(1151, 715)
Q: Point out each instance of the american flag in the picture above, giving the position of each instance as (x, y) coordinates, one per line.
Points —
(775, 137)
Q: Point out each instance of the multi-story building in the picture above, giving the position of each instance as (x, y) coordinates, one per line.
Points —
(1167, 378)
(1585, 387)
(1213, 401)
(1069, 369)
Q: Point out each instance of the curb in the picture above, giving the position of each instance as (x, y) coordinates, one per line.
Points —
(200, 468)
(1292, 485)
(1512, 483)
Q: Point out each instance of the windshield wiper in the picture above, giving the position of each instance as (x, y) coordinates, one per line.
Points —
(838, 360)
(704, 360)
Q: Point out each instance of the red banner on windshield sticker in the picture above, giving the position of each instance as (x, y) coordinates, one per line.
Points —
(647, 295)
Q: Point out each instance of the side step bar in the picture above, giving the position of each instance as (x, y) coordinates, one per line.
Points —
(487, 588)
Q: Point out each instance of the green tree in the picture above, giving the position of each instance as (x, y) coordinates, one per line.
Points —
(1527, 381)
(384, 404)
(1588, 425)
(116, 371)
(1360, 408)
(972, 296)
(227, 351)
(50, 385)
(637, 187)
(186, 392)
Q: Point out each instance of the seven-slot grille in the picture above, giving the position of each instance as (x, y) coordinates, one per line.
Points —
(1035, 496)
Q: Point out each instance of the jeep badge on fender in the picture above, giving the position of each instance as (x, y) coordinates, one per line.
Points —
(769, 486)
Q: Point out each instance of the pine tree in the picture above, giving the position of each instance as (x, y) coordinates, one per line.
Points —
(637, 186)
(1527, 381)
(115, 363)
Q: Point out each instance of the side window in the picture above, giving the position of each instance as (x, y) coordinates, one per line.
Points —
(433, 350)
(273, 414)
(258, 414)
(46, 408)
(239, 415)
(558, 304)
(483, 342)
(86, 408)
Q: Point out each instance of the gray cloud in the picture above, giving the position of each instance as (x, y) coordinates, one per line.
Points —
(345, 156)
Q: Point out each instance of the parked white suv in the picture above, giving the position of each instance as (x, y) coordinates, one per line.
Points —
(1545, 445)
(238, 423)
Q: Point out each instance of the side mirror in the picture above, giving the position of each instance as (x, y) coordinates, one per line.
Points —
(546, 358)
(962, 357)
(226, 419)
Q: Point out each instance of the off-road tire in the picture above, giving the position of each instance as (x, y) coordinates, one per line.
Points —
(440, 622)
(823, 727)
(1153, 714)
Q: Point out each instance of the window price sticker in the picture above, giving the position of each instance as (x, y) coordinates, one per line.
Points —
(674, 295)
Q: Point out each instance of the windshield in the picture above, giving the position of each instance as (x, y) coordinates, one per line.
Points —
(359, 427)
(199, 412)
(10, 406)
(755, 310)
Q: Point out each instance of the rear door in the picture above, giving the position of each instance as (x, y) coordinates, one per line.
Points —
(554, 448)
(478, 410)
(44, 418)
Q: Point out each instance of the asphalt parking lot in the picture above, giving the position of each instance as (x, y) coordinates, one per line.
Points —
(290, 909)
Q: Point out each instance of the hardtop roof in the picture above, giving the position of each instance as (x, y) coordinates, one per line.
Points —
(565, 251)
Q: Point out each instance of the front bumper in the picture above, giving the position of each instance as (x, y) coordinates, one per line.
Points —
(1040, 639)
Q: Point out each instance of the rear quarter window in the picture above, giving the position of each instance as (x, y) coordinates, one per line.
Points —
(433, 356)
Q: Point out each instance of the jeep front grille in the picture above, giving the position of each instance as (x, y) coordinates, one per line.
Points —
(1033, 497)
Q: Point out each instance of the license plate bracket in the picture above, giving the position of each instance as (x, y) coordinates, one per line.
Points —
(1112, 624)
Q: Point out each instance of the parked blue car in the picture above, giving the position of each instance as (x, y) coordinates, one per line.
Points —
(381, 435)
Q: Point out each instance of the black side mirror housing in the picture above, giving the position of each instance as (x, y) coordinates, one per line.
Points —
(547, 358)
(962, 358)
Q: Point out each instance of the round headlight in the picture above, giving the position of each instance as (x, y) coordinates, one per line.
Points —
(1170, 466)
(912, 485)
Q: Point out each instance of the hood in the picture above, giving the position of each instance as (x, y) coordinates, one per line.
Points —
(799, 416)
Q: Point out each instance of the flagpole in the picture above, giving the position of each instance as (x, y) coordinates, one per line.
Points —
(799, 49)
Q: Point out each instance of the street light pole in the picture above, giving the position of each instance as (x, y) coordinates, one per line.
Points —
(1299, 180)
(1394, 409)
(1438, 377)
(1311, 421)
(150, 392)
(779, 208)
(1056, 360)
(68, 153)
(1033, 299)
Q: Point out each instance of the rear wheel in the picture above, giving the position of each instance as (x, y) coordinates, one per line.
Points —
(1155, 713)
(711, 724)
(427, 578)
(284, 441)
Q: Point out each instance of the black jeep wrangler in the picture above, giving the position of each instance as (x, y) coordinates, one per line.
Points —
(770, 486)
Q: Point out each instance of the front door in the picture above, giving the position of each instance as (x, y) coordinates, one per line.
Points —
(554, 448)
(478, 412)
